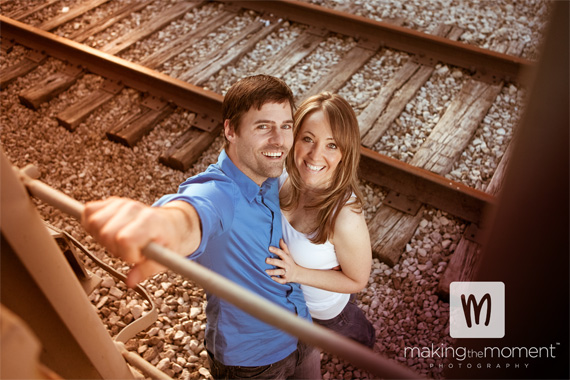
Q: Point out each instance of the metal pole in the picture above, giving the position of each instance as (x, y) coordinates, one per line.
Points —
(259, 307)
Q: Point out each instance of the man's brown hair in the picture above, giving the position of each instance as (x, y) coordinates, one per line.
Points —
(254, 91)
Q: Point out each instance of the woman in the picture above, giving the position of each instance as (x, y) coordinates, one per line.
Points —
(326, 244)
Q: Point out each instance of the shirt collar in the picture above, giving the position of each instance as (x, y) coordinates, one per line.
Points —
(268, 189)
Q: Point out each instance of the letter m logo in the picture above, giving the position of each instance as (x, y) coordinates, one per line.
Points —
(466, 305)
(476, 308)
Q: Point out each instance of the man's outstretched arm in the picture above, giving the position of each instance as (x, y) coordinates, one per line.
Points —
(125, 227)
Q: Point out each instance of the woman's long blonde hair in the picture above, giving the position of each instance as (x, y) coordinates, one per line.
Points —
(346, 133)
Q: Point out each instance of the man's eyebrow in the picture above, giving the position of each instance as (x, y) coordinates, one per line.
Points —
(263, 121)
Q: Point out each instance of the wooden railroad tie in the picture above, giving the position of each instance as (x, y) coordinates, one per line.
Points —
(83, 34)
(6, 45)
(135, 126)
(58, 82)
(50, 87)
(72, 116)
(340, 73)
(290, 55)
(29, 9)
(173, 48)
(152, 110)
(193, 142)
(393, 228)
(74, 12)
(348, 65)
(230, 51)
(146, 29)
(381, 112)
(32, 60)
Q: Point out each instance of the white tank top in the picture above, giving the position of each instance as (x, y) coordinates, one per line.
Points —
(322, 304)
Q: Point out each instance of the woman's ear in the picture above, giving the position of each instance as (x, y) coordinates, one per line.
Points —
(229, 131)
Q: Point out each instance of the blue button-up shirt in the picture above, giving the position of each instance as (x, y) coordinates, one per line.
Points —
(240, 220)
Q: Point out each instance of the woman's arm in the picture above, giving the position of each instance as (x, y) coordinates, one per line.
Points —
(354, 254)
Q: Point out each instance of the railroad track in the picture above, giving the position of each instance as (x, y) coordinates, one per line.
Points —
(181, 62)
(490, 71)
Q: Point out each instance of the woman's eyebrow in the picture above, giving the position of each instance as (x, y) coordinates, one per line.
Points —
(312, 134)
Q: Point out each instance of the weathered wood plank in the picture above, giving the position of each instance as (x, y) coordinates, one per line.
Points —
(50, 87)
(397, 103)
(58, 82)
(292, 54)
(342, 71)
(368, 116)
(32, 60)
(136, 126)
(438, 153)
(453, 132)
(72, 116)
(74, 12)
(496, 183)
(375, 108)
(148, 28)
(349, 64)
(229, 52)
(377, 117)
(461, 268)
(186, 150)
(118, 15)
(212, 59)
(464, 261)
(183, 43)
(456, 127)
(26, 11)
(390, 231)
(6, 45)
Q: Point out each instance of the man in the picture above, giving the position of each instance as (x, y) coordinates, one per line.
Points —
(226, 218)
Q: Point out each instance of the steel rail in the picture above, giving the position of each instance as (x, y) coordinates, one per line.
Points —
(425, 186)
(259, 307)
(484, 64)
(133, 75)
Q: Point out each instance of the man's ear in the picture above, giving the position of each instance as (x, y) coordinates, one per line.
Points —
(229, 131)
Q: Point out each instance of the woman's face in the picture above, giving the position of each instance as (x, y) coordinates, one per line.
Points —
(316, 152)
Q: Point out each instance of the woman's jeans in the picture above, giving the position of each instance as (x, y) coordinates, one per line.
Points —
(352, 323)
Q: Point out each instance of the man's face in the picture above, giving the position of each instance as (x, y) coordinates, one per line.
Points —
(263, 140)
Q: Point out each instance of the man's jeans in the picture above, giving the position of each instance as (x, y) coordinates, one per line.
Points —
(303, 363)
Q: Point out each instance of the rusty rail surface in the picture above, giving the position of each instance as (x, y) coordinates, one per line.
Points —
(484, 64)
